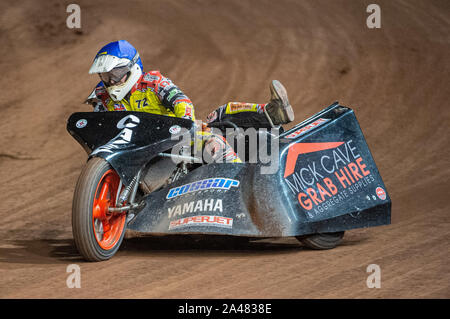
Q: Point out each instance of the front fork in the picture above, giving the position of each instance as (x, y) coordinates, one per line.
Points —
(125, 202)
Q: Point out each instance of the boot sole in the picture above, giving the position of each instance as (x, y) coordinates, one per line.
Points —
(279, 92)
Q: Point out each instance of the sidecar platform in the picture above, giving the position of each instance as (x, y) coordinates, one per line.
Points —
(326, 181)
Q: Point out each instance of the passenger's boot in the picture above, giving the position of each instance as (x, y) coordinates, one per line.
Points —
(278, 110)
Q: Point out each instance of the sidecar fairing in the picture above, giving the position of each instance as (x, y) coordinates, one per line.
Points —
(326, 181)
(127, 140)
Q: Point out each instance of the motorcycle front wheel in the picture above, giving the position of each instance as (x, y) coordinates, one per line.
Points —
(97, 232)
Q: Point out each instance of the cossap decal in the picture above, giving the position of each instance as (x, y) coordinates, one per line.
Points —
(212, 183)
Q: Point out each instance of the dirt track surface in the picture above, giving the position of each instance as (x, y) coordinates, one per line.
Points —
(395, 78)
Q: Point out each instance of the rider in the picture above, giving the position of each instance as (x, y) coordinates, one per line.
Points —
(125, 87)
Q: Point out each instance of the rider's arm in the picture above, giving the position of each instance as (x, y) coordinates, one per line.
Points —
(184, 108)
(171, 95)
(97, 98)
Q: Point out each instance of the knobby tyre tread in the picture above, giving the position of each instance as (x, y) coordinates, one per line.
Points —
(82, 210)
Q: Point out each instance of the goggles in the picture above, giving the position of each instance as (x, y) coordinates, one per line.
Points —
(114, 76)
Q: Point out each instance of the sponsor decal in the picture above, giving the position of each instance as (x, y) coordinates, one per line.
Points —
(211, 205)
(261, 107)
(205, 184)
(188, 111)
(306, 128)
(303, 148)
(334, 177)
(237, 107)
(129, 121)
(381, 193)
(124, 137)
(81, 123)
(175, 129)
(150, 78)
(218, 221)
(165, 84)
(119, 107)
(172, 93)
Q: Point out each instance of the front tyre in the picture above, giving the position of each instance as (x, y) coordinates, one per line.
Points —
(321, 241)
(97, 232)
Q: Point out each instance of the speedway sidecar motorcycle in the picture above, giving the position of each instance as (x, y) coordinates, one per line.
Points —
(326, 182)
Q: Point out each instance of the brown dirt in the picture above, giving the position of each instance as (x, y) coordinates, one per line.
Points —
(395, 78)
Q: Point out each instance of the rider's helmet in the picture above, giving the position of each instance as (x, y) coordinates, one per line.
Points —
(119, 66)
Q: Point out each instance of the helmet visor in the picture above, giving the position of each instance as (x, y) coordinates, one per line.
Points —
(114, 76)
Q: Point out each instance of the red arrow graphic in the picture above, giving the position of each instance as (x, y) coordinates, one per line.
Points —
(302, 148)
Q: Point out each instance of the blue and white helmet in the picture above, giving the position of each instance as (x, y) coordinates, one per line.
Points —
(119, 66)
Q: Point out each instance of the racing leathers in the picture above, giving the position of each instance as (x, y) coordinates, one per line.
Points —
(153, 93)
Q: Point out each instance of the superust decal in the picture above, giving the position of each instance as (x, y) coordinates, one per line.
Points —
(206, 205)
(306, 128)
(217, 221)
(338, 173)
(205, 184)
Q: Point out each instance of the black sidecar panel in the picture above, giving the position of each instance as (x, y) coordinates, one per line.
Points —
(127, 140)
(212, 199)
(326, 181)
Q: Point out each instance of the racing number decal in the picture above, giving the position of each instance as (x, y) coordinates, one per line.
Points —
(143, 102)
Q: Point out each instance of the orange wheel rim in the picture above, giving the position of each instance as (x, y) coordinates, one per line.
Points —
(108, 227)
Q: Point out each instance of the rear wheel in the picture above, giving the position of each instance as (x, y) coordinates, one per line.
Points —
(97, 232)
(322, 241)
